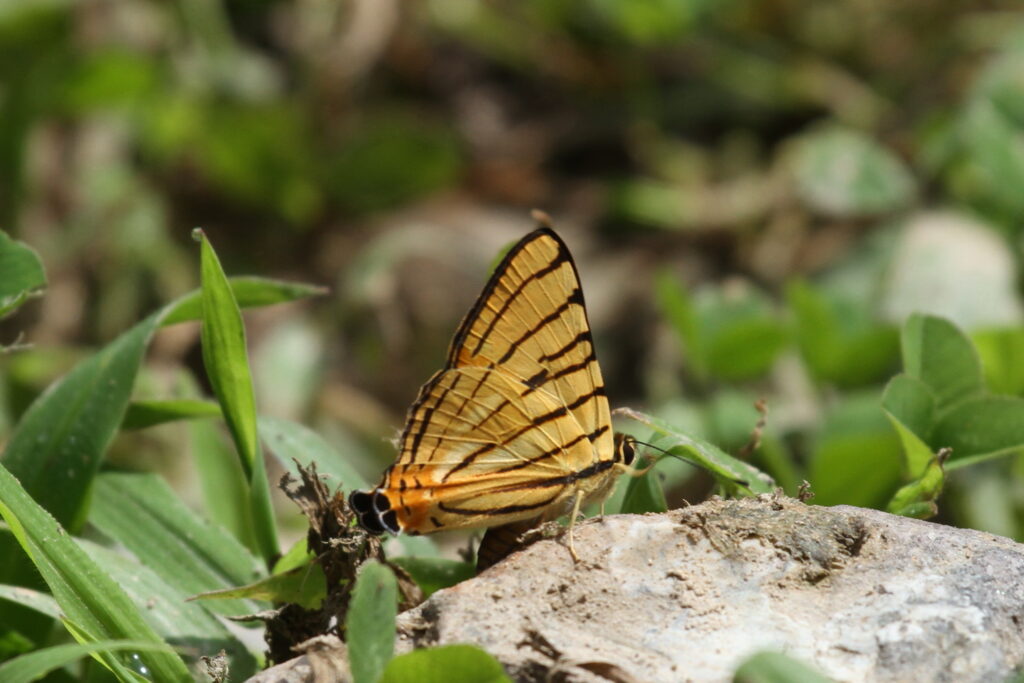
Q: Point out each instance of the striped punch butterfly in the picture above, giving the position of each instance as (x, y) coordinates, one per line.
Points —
(516, 426)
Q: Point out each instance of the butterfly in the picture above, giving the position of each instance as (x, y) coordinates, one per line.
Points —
(516, 425)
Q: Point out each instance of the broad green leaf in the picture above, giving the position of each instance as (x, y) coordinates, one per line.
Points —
(981, 428)
(845, 173)
(21, 274)
(227, 366)
(142, 414)
(644, 494)
(916, 452)
(940, 355)
(910, 405)
(917, 499)
(35, 665)
(857, 458)
(731, 474)
(370, 623)
(189, 627)
(740, 333)
(445, 664)
(291, 442)
(142, 513)
(87, 595)
(434, 573)
(772, 667)
(1002, 359)
(746, 349)
(304, 585)
(840, 342)
(34, 600)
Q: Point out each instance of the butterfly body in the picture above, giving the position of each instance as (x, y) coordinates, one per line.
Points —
(516, 426)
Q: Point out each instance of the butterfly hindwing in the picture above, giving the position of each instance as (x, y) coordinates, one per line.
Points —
(517, 422)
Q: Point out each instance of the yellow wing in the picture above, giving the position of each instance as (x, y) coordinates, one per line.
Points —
(517, 422)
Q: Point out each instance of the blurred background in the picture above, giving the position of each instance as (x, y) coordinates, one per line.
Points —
(756, 194)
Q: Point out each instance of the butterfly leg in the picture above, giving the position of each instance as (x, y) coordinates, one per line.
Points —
(577, 502)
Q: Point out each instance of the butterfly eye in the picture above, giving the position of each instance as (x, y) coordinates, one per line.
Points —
(625, 448)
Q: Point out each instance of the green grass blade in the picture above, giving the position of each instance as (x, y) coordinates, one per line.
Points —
(227, 365)
(87, 595)
(305, 586)
(142, 414)
(35, 665)
(291, 442)
(187, 626)
(249, 292)
(34, 600)
(21, 274)
(225, 491)
(370, 624)
(142, 513)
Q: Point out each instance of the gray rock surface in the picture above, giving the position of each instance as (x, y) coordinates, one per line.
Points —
(687, 595)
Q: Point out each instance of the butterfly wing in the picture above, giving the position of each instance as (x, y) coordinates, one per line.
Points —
(518, 419)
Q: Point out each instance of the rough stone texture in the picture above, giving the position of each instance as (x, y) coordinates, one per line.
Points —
(860, 594)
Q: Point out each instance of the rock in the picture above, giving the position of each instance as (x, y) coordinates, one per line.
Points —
(860, 594)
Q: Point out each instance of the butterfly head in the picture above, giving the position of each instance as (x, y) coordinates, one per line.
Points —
(373, 511)
(625, 448)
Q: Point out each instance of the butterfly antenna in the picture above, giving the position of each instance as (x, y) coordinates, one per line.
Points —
(542, 218)
(740, 482)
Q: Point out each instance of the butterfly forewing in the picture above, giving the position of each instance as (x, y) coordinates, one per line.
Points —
(531, 322)
(518, 419)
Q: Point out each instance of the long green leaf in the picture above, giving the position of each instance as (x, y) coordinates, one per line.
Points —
(142, 513)
(189, 627)
(87, 595)
(227, 365)
(292, 442)
(732, 474)
(142, 414)
(35, 665)
(223, 482)
(370, 623)
(34, 600)
(249, 292)
(305, 586)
